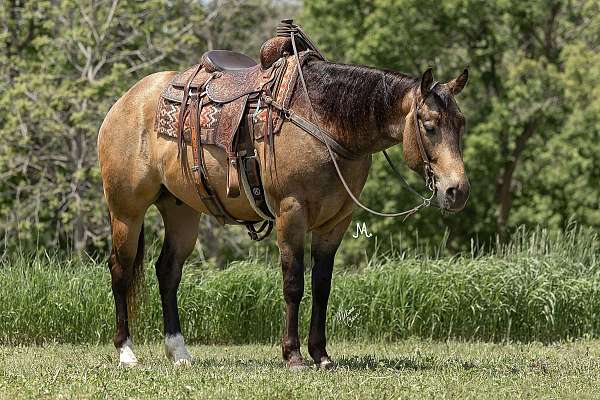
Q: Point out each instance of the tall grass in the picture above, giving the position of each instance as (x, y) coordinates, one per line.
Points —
(538, 287)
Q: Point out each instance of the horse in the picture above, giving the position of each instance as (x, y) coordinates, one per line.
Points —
(365, 110)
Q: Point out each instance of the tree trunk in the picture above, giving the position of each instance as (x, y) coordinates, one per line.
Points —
(506, 180)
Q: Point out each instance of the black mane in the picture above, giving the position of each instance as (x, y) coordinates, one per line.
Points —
(352, 97)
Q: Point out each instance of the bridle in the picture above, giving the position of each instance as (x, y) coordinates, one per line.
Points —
(429, 175)
(327, 139)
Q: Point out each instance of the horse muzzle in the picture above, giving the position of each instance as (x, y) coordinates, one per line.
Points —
(453, 193)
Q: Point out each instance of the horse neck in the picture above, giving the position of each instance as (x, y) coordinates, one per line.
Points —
(364, 109)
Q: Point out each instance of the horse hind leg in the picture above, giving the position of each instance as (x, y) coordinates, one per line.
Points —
(181, 231)
(126, 269)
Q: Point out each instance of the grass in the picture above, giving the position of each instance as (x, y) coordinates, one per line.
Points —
(402, 326)
(536, 288)
(407, 369)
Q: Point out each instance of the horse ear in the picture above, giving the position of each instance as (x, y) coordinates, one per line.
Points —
(426, 82)
(457, 85)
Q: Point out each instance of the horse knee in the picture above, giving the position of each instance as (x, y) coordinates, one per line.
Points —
(293, 293)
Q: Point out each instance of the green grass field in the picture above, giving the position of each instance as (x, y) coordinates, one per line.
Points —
(408, 369)
(401, 327)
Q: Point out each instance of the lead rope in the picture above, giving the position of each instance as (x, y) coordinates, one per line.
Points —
(429, 176)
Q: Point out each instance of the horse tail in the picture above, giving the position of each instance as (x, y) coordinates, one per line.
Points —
(136, 285)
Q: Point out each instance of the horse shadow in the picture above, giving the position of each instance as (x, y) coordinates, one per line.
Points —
(372, 362)
(363, 362)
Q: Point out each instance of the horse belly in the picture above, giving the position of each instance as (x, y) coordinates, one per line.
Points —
(183, 186)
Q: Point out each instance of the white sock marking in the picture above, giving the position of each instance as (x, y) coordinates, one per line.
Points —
(176, 350)
(126, 356)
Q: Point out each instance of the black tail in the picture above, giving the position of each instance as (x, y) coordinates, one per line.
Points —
(136, 286)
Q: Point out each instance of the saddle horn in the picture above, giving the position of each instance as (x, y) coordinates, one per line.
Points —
(281, 45)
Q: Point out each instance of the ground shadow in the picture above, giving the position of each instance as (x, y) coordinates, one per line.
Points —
(413, 362)
(368, 362)
(237, 363)
(365, 362)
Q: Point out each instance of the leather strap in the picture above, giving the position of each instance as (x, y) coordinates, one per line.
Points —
(312, 129)
(255, 233)
(182, 113)
(429, 175)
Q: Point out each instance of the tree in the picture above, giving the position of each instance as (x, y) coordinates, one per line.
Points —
(63, 64)
(524, 110)
(73, 61)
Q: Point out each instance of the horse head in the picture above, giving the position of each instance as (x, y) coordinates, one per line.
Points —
(439, 126)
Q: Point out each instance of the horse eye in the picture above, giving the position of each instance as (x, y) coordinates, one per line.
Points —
(430, 130)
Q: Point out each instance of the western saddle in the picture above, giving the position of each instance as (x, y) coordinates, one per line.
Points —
(219, 102)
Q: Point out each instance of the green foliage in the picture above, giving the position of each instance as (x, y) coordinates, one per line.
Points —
(73, 61)
(63, 64)
(539, 287)
(531, 148)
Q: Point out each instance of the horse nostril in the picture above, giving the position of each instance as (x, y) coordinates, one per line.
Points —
(451, 193)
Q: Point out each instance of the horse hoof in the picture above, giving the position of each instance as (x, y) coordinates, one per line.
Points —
(326, 363)
(183, 363)
(296, 364)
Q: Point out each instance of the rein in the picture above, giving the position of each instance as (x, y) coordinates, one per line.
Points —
(331, 145)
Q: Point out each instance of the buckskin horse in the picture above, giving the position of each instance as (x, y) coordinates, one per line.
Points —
(288, 141)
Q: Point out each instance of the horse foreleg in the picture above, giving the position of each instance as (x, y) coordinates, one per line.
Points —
(323, 248)
(291, 230)
(181, 231)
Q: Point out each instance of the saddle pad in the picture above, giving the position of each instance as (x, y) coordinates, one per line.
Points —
(167, 121)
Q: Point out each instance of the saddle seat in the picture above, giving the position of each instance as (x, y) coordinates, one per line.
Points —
(226, 60)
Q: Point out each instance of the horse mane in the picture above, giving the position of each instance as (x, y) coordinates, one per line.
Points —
(354, 97)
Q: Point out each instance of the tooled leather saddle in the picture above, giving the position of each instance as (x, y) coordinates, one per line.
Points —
(218, 102)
